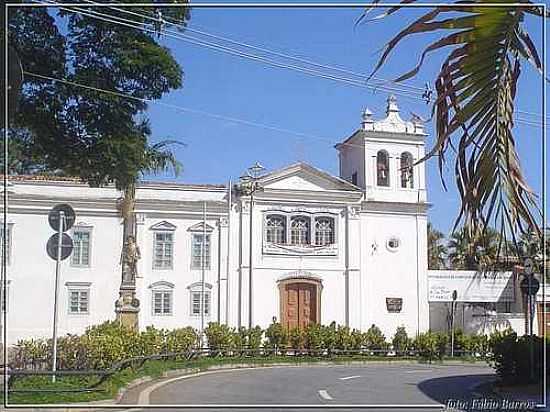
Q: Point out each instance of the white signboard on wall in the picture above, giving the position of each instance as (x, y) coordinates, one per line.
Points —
(470, 286)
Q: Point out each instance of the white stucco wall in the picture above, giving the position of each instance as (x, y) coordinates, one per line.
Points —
(357, 273)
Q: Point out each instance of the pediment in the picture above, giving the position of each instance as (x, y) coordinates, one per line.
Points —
(199, 227)
(305, 177)
(164, 225)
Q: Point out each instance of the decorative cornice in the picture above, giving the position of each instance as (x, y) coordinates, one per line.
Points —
(299, 274)
(299, 250)
(395, 207)
(78, 284)
(195, 285)
(164, 226)
(199, 227)
(161, 284)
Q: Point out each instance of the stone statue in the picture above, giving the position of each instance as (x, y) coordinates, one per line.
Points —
(128, 260)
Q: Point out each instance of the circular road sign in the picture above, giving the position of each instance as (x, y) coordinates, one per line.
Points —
(531, 289)
(53, 216)
(66, 246)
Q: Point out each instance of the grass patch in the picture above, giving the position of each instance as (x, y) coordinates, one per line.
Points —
(155, 369)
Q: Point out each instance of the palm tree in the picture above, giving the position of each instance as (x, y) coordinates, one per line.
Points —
(474, 105)
(437, 251)
(154, 159)
(531, 246)
(469, 251)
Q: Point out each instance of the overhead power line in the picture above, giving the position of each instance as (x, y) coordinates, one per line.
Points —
(238, 53)
(400, 91)
(265, 49)
(177, 35)
(186, 109)
(162, 20)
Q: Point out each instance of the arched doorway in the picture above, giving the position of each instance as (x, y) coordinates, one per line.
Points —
(300, 302)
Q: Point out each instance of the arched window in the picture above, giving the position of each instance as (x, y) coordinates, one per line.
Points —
(406, 169)
(299, 230)
(275, 229)
(324, 231)
(382, 168)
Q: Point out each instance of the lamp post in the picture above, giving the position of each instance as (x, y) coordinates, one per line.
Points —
(249, 184)
(453, 303)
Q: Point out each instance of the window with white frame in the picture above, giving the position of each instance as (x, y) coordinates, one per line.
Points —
(6, 237)
(299, 230)
(324, 231)
(200, 299)
(81, 247)
(197, 248)
(275, 229)
(162, 302)
(79, 301)
(163, 246)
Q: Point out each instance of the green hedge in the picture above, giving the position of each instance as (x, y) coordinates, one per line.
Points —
(100, 347)
(103, 345)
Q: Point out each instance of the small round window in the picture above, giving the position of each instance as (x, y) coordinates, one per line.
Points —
(393, 244)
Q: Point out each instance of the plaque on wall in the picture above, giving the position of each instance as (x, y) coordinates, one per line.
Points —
(394, 305)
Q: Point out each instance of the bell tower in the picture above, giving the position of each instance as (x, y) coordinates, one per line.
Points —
(380, 157)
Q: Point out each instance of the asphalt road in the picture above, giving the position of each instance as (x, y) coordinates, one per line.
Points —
(373, 384)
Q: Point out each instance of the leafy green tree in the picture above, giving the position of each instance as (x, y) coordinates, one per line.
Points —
(100, 132)
(437, 250)
(474, 106)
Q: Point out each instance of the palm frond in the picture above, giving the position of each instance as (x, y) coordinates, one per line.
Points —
(476, 89)
(159, 158)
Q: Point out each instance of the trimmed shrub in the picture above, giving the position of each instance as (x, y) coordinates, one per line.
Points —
(328, 334)
(430, 345)
(374, 339)
(181, 340)
(357, 340)
(254, 339)
(511, 358)
(343, 338)
(401, 342)
(219, 336)
(71, 353)
(313, 339)
(296, 338)
(239, 339)
(276, 336)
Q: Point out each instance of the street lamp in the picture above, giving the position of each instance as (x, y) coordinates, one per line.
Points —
(249, 184)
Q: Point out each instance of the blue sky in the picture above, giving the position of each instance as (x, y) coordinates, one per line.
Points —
(328, 111)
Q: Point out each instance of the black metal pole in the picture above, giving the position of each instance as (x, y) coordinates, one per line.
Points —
(531, 337)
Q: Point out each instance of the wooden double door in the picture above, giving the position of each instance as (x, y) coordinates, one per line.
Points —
(300, 303)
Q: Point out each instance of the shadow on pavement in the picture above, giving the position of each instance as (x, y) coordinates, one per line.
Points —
(461, 387)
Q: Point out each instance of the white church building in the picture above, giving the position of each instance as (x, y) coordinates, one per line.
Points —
(312, 248)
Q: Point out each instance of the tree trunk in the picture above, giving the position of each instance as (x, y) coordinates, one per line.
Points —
(127, 211)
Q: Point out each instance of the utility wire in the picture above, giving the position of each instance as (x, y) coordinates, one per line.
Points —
(188, 110)
(193, 40)
(363, 76)
(284, 55)
(234, 52)
(133, 24)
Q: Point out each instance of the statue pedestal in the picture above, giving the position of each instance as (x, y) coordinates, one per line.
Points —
(127, 306)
